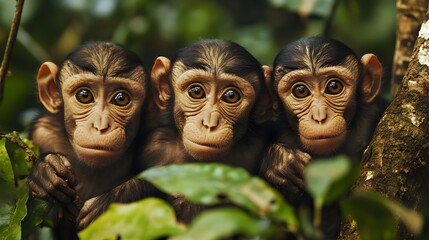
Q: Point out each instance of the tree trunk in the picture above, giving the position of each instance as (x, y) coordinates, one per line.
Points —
(396, 163)
(410, 15)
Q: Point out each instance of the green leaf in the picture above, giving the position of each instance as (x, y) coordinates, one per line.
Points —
(15, 214)
(374, 219)
(413, 220)
(149, 218)
(327, 179)
(7, 178)
(217, 183)
(202, 183)
(8, 198)
(37, 215)
(18, 157)
(258, 196)
(224, 222)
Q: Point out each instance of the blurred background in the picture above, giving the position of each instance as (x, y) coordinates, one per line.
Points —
(50, 29)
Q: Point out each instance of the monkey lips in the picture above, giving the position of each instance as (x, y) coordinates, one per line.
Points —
(206, 150)
(99, 149)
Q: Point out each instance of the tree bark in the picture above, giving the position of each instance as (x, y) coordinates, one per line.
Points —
(410, 15)
(396, 163)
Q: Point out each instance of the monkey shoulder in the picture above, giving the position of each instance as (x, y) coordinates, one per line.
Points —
(47, 132)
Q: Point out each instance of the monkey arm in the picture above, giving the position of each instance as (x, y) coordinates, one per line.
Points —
(283, 168)
(129, 191)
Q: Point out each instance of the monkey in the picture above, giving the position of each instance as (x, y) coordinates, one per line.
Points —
(216, 94)
(90, 135)
(329, 103)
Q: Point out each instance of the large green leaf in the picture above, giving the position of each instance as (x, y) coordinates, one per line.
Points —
(18, 157)
(7, 178)
(328, 179)
(413, 220)
(213, 183)
(8, 198)
(202, 183)
(373, 217)
(149, 218)
(13, 230)
(36, 216)
(224, 222)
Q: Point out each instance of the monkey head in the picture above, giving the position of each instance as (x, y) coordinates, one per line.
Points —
(99, 91)
(321, 84)
(214, 86)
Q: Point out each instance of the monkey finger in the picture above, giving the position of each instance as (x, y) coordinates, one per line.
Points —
(62, 167)
(87, 213)
(58, 196)
(57, 184)
(37, 191)
(304, 157)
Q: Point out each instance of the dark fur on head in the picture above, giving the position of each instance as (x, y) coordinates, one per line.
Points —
(105, 59)
(313, 53)
(217, 56)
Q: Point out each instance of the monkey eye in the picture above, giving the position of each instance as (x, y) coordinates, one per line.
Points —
(121, 99)
(84, 96)
(334, 87)
(300, 91)
(231, 96)
(196, 91)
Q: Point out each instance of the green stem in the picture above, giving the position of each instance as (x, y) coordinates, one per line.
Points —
(9, 45)
(317, 218)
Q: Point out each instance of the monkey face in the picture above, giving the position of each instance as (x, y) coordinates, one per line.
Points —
(318, 103)
(211, 111)
(101, 119)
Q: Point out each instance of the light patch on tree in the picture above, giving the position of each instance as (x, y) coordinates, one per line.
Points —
(369, 175)
(424, 30)
(415, 119)
(423, 54)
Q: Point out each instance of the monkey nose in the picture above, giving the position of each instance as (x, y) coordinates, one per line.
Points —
(101, 125)
(319, 114)
(211, 120)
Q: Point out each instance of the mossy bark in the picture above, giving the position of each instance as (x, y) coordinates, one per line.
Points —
(396, 163)
(410, 15)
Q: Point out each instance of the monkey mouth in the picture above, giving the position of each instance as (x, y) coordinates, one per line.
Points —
(324, 144)
(89, 152)
(205, 150)
(323, 136)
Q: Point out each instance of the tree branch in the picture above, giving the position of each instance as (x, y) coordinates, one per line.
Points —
(9, 45)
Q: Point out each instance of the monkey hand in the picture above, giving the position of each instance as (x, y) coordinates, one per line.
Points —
(129, 191)
(92, 208)
(283, 168)
(52, 179)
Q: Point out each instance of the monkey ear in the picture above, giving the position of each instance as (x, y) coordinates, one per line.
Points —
(371, 81)
(49, 93)
(264, 109)
(159, 79)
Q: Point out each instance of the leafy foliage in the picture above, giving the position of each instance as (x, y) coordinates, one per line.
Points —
(211, 184)
(146, 219)
(253, 208)
(259, 210)
(16, 158)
